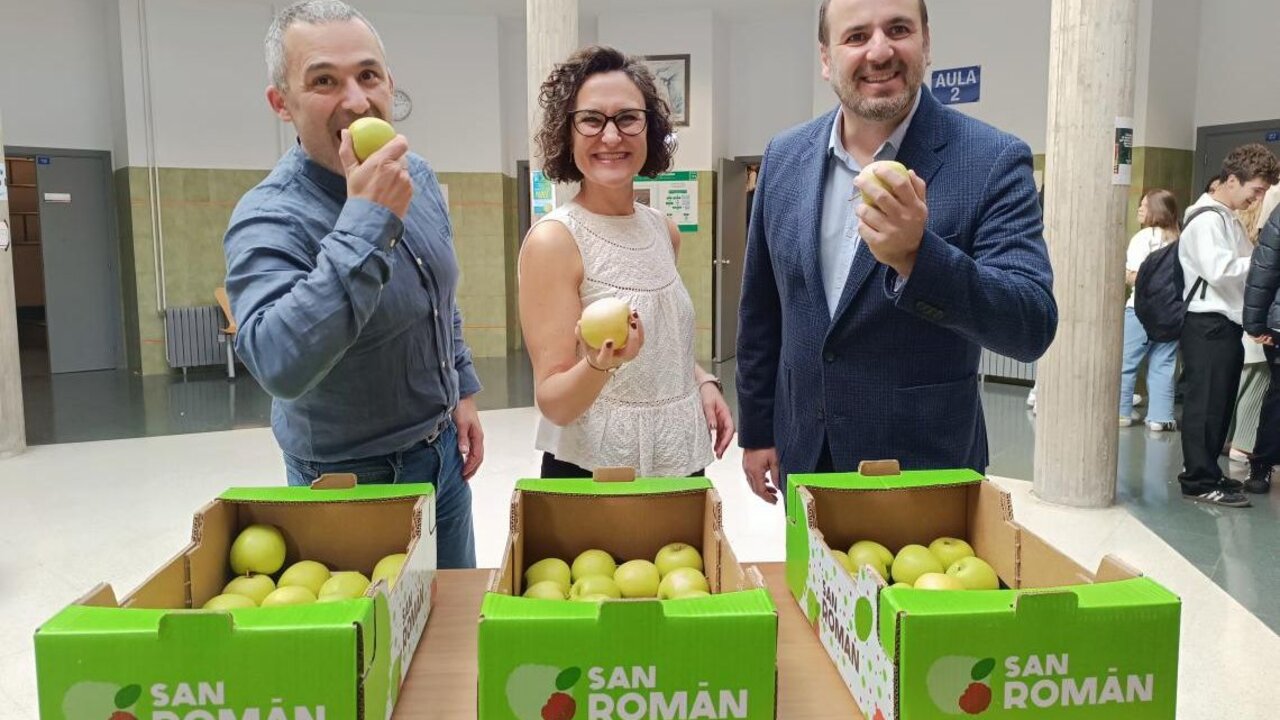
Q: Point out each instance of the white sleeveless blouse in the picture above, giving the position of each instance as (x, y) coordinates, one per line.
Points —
(649, 415)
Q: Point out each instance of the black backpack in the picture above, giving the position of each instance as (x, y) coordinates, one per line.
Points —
(1158, 298)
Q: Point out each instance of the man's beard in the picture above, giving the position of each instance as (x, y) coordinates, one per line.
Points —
(879, 109)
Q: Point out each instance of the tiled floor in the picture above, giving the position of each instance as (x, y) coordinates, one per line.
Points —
(79, 513)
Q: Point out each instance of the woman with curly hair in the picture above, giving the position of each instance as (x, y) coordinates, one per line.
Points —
(646, 404)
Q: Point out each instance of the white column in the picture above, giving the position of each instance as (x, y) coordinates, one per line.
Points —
(13, 428)
(1092, 65)
(551, 28)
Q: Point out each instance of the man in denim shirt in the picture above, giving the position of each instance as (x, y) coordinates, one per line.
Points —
(342, 276)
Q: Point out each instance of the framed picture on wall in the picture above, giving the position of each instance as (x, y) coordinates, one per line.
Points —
(671, 73)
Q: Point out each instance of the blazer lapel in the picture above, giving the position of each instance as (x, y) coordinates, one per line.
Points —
(814, 174)
(918, 153)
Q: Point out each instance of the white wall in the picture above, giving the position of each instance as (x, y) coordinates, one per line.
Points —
(1010, 40)
(1168, 60)
(772, 63)
(55, 86)
(670, 34)
(1239, 68)
(513, 85)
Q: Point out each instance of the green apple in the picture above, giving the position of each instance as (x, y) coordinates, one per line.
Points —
(881, 551)
(593, 562)
(878, 170)
(681, 582)
(692, 594)
(254, 587)
(912, 562)
(229, 601)
(293, 595)
(305, 573)
(546, 590)
(863, 553)
(975, 574)
(937, 581)
(368, 135)
(345, 584)
(595, 585)
(608, 318)
(388, 568)
(257, 549)
(949, 549)
(677, 555)
(637, 579)
(843, 559)
(900, 585)
(552, 569)
(593, 597)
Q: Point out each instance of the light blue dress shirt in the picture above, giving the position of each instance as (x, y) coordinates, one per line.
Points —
(840, 239)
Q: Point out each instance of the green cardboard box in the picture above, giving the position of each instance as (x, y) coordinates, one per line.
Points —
(152, 656)
(1056, 641)
(706, 657)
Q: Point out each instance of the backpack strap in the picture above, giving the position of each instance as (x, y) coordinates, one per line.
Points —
(1200, 283)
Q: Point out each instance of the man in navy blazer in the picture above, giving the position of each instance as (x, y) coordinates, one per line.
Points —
(861, 325)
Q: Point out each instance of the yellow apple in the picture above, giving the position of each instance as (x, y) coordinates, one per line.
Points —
(593, 562)
(692, 594)
(912, 562)
(388, 568)
(552, 569)
(975, 574)
(546, 590)
(254, 587)
(900, 585)
(346, 584)
(949, 549)
(595, 585)
(863, 553)
(257, 549)
(293, 595)
(229, 601)
(637, 579)
(681, 582)
(606, 319)
(594, 597)
(677, 555)
(881, 551)
(937, 581)
(368, 135)
(875, 170)
(843, 559)
(305, 573)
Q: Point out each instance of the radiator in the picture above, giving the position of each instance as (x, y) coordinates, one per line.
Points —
(997, 367)
(192, 336)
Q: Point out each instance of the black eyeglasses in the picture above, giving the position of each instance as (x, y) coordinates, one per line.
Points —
(590, 123)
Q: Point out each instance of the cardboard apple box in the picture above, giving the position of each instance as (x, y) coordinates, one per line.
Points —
(1056, 641)
(154, 654)
(706, 657)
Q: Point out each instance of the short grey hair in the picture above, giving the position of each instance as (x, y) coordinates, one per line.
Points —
(312, 12)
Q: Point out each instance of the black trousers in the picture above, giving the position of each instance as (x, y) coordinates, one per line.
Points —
(553, 467)
(1212, 357)
(1266, 449)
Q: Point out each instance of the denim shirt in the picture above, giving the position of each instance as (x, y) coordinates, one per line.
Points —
(346, 315)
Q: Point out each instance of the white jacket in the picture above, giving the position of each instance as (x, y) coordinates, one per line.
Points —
(1215, 247)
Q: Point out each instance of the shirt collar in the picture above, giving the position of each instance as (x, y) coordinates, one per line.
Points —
(888, 151)
(329, 181)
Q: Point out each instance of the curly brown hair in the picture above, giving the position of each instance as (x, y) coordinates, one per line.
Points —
(1249, 162)
(559, 96)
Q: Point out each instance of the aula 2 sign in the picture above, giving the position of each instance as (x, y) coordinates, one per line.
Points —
(957, 85)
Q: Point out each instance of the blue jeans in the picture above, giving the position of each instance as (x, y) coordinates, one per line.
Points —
(438, 463)
(1161, 358)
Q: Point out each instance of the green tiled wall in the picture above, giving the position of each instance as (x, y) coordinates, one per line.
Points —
(195, 205)
(478, 207)
(696, 253)
(1165, 168)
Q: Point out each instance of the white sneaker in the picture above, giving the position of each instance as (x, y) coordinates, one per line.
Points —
(1137, 400)
(1031, 398)
(1128, 421)
(1154, 426)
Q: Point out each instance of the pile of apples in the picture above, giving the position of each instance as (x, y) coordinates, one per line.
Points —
(947, 564)
(258, 552)
(594, 576)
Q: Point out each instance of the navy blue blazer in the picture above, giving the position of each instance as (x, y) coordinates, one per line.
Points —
(892, 375)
